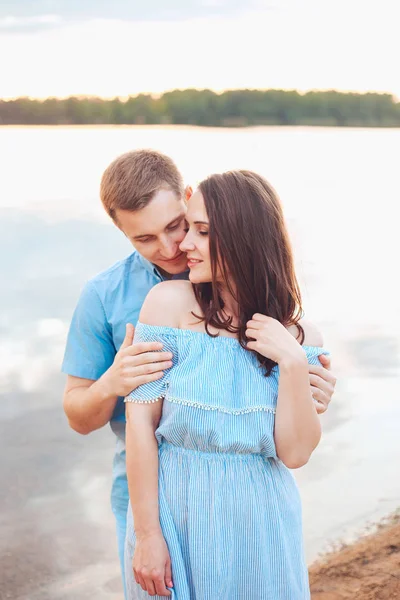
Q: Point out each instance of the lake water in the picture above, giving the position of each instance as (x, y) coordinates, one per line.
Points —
(340, 190)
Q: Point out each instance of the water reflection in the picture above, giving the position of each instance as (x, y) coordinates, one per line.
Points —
(55, 517)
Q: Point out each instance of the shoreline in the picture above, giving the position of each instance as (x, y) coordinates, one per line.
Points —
(368, 569)
(183, 126)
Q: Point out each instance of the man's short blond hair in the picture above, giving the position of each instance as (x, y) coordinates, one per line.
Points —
(131, 181)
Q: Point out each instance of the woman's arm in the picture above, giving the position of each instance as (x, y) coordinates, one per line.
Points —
(151, 562)
(163, 306)
(297, 427)
(142, 464)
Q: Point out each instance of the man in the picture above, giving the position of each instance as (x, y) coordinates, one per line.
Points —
(143, 193)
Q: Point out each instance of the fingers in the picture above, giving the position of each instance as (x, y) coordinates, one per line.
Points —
(252, 324)
(168, 575)
(129, 333)
(153, 583)
(144, 580)
(320, 408)
(150, 368)
(149, 357)
(322, 390)
(325, 361)
(141, 348)
(140, 580)
(128, 362)
(260, 318)
(321, 401)
(161, 587)
(132, 377)
(251, 332)
(252, 346)
(150, 587)
(322, 373)
(325, 386)
(135, 382)
(146, 369)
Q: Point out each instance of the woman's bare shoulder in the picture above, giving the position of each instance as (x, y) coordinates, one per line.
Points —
(166, 302)
(312, 335)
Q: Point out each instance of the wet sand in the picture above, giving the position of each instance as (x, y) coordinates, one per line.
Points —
(367, 570)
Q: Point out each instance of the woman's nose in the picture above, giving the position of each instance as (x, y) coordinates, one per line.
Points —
(186, 244)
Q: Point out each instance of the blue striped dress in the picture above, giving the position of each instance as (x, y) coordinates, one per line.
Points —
(229, 509)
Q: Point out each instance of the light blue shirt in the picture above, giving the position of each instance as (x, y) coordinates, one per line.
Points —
(107, 303)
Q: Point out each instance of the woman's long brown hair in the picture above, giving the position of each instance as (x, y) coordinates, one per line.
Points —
(249, 245)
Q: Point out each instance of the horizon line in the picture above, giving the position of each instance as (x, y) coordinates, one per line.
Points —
(156, 95)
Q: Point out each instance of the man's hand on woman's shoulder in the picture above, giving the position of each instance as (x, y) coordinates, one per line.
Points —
(322, 381)
(135, 364)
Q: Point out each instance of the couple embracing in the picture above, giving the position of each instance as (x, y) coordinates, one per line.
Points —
(222, 383)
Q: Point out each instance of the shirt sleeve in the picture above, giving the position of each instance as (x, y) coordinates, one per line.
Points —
(90, 349)
(313, 352)
(154, 390)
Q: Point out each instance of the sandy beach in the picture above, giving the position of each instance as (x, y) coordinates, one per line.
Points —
(366, 570)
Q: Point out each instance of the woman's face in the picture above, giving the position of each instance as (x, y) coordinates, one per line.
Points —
(196, 242)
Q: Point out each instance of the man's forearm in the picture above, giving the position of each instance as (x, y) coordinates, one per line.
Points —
(89, 407)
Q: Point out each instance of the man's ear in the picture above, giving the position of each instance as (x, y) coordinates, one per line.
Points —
(188, 192)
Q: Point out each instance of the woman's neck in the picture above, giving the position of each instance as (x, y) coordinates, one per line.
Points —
(231, 306)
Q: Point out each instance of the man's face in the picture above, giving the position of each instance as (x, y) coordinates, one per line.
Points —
(157, 230)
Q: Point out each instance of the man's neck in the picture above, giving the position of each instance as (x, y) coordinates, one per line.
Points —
(163, 273)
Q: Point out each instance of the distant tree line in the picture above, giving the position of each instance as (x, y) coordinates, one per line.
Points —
(207, 108)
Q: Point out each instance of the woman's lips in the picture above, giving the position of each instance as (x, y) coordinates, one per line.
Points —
(193, 262)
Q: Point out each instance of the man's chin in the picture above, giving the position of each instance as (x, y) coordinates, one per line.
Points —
(175, 268)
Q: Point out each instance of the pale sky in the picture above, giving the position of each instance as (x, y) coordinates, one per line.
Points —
(76, 47)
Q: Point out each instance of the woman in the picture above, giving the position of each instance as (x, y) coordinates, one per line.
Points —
(216, 511)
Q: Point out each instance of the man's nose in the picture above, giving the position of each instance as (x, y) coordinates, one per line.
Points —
(169, 249)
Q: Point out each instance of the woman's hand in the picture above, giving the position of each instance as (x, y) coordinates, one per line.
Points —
(152, 564)
(273, 340)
